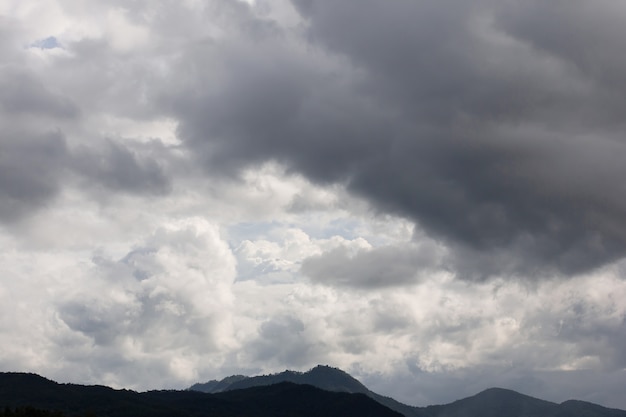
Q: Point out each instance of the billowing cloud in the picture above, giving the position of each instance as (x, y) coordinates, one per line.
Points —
(158, 312)
(441, 112)
(194, 189)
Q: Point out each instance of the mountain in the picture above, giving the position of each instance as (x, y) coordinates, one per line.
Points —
(498, 402)
(282, 399)
(575, 407)
(21, 389)
(214, 386)
(494, 402)
(323, 377)
(278, 400)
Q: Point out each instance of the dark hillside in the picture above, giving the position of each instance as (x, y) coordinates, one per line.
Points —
(498, 402)
(279, 400)
(29, 395)
(585, 409)
(323, 377)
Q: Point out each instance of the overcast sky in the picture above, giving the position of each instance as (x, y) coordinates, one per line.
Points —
(427, 194)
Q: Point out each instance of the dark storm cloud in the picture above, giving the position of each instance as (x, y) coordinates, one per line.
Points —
(588, 36)
(496, 132)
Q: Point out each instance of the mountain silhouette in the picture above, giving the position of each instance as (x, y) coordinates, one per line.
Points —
(278, 400)
(322, 376)
(498, 402)
(494, 402)
(264, 396)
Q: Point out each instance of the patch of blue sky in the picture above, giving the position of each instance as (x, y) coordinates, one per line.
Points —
(50, 42)
(346, 228)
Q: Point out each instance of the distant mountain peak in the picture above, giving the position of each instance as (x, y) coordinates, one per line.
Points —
(324, 377)
(500, 392)
(327, 369)
(321, 376)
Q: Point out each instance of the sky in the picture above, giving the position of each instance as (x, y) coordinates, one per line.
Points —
(427, 194)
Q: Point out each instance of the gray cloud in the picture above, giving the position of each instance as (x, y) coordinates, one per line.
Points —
(117, 167)
(30, 170)
(439, 111)
(35, 166)
(42, 147)
(21, 92)
(378, 267)
(495, 126)
(284, 340)
(588, 38)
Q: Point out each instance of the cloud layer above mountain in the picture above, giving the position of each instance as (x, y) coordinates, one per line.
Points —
(427, 191)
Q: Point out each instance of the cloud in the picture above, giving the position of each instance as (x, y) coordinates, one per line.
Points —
(165, 299)
(30, 167)
(55, 136)
(413, 341)
(34, 167)
(284, 341)
(434, 111)
(23, 93)
(374, 267)
(587, 39)
(117, 167)
(193, 189)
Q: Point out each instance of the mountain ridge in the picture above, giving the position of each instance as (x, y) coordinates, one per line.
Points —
(272, 398)
(321, 376)
(504, 402)
(277, 400)
(500, 402)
